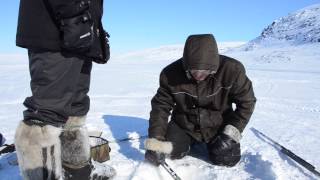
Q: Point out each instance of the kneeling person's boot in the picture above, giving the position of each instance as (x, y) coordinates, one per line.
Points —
(76, 159)
(38, 150)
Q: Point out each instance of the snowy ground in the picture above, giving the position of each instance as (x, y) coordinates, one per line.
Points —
(286, 82)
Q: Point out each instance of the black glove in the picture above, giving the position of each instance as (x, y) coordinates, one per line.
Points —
(154, 158)
(223, 150)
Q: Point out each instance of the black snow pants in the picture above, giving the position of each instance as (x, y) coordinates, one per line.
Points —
(184, 143)
(59, 87)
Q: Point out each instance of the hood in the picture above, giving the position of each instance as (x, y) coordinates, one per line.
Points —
(201, 53)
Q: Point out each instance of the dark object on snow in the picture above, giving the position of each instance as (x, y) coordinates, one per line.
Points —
(7, 148)
(2, 140)
(224, 151)
(82, 173)
(289, 153)
(73, 27)
(87, 172)
(170, 170)
(204, 108)
(100, 149)
(155, 158)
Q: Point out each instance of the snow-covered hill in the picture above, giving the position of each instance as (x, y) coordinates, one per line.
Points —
(300, 27)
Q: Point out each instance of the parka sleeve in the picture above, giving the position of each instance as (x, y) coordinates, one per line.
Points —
(161, 104)
(242, 96)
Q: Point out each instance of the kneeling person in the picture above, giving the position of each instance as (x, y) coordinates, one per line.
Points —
(199, 91)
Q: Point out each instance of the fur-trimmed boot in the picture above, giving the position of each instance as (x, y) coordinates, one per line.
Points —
(39, 151)
(76, 159)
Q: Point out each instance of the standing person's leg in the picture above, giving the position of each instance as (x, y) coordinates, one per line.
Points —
(37, 136)
(74, 138)
(54, 78)
(81, 102)
(76, 159)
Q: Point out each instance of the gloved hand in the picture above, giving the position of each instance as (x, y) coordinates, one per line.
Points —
(155, 158)
(224, 150)
(222, 144)
(156, 150)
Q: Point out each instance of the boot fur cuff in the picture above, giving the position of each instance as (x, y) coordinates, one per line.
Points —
(34, 135)
(233, 132)
(38, 148)
(158, 146)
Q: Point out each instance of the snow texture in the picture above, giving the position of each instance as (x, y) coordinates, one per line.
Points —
(286, 80)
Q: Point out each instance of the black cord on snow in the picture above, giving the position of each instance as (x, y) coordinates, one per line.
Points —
(289, 153)
(8, 148)
(128, 139)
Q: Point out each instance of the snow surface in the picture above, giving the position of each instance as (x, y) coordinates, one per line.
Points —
(286, 82)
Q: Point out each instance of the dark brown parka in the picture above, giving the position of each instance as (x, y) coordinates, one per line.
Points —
(202, 108)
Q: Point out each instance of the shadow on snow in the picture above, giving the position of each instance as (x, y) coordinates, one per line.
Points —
(121, 127)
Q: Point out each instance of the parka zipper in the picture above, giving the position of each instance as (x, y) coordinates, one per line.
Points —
(197, 90)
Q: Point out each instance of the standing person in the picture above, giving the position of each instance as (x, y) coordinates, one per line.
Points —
(62, 38)
(199, 91)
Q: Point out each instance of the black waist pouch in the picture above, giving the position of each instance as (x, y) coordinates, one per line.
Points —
(81, 30)
(77, 33)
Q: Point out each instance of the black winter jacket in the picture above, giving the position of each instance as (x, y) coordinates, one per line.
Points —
(38, 25)
(202, 108)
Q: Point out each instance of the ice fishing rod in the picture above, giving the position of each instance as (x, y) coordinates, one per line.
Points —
(169, 170)
(289, 153)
